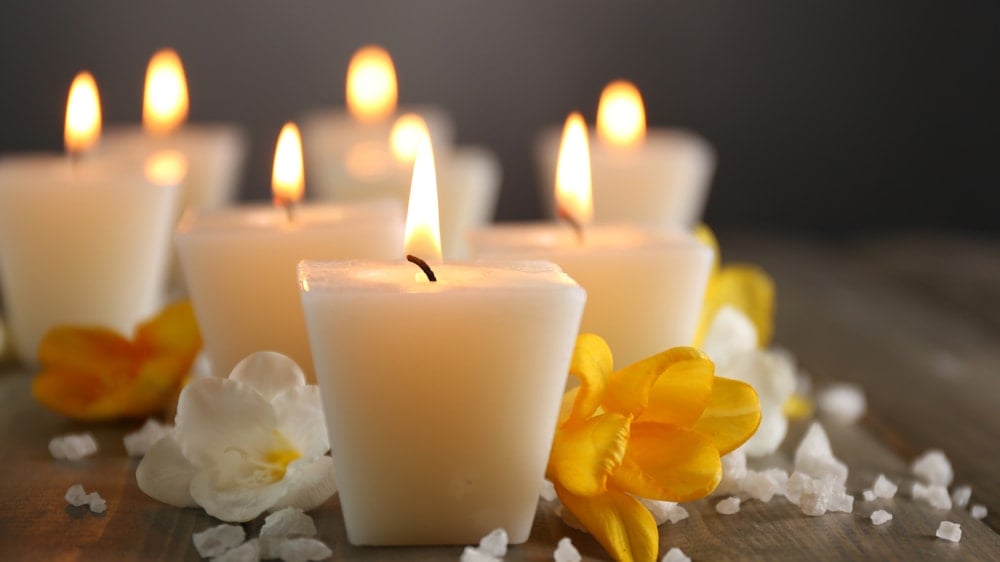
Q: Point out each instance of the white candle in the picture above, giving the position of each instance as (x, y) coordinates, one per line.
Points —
(659, 177)
(239, 264)
(441, 397)
(82, 243)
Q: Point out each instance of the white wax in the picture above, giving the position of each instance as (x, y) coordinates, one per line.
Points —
(662, 182)
(239, 264)
(83, 245)
(645, 287)
(441, 398)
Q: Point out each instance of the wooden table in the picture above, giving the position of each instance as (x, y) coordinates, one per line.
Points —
(914, 319)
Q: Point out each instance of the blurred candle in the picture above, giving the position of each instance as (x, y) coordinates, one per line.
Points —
(439, 434)
(239, 263)
(645, 285)
(655, 177)
(83, 240)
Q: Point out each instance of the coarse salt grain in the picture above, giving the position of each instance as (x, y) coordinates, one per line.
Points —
(246, 552)
(73, 446)
(139, 442)
(978, 511)
(728, 506)
(938, 497)
(961, 495)
(841, 502)
(814, 456)
(303, 550)
(566, 552)
(473, 554)
(843, 403)
(215, 541)
(884, 488)
(918, 491)
(675, 555)
(548, 491)
(495, 543)
(869, 495)
(760, 485)
(96, 503)
(734, 469)
(288, 522)
(663, 511)
(76, 496)
(949, 531)
(881, 516)
(933, 467)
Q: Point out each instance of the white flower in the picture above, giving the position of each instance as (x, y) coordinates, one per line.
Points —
(731, 342)
(251, 443)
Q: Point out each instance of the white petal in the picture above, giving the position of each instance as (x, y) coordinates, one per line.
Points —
(164, 474)
(269, 373)
(770, 433)
(300, 419)
(231, 502)
(310, 483)
(731, 332)
(217, 416)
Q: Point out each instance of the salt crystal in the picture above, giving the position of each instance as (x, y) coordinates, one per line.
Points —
(813, 504)
(814, 495)
(884, 488)
(814, 456)
(841, 502)
(933, 467)
(303, 550)
(494, 543)
(288, 522)
(938, 497)
(473, 554)
(96, 503)
(919, 491)
(961, 495)
(269, 548)
(246, 552)
(659, 509)
(734, 469)
(75, 495)
(843, 403)
(793, 489)
(949, 531)
(728, 506)
(548, 491)
(139, 442)
(566, 552)
(215, 541)
(881, 516)
(73, 447)
(675, 555)
(978, 511)
(677, 513)
(761, 485)
(868, 495)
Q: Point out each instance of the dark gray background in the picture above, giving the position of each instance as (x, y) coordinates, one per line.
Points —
(829, 116)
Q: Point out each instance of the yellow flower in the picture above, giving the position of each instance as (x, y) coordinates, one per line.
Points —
(95, 374)
(655, 430)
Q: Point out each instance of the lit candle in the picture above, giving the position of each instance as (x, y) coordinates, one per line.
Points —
(239, 263)
(441, 396)
(645, 285)
(368, 151)
(657, 177)
(82, 242)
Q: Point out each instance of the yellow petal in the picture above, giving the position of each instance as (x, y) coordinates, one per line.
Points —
(591, 364)
(680, 394)
(174, 330)
(731, 416)
(670, 463)
(618, 521)
(90, 350)
(584, 454)
(68, 392)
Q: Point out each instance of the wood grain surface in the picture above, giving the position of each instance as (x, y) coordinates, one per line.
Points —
(914, 319)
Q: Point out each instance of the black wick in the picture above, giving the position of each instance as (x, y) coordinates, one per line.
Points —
(423, 266)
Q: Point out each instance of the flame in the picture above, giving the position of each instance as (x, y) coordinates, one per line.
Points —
(371, 84)
(83, 114)
(165, 102)
(288, 179)
(423, 232)
(166, 167)
(405, 138)
(621, 116)
(573, 189)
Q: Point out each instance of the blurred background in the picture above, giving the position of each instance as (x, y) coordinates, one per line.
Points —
(829, 117)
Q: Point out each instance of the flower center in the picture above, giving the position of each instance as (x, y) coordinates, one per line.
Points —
(272, 464)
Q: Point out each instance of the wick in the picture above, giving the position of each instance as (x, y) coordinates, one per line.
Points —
(423, 266)
(289, 206)
(575, 224)
(74, 161)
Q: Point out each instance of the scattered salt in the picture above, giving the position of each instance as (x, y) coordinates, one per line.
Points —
(814, 456)
(473, 554)
(494, 543)
(961, 495)
(303, 550)
(663, 511)
(933, 467)
(728, 506)
(288, 522)
(548, 491)
(841, 502)
(139, 442)
(566, 552)
(269, 548)
(884, 488)
(215, 541)
(843, 403)
(96, 503)
(75, 495)
(869, 495)
(881, 516)
(949, 531)
(919, 491)
(246, 552)
(675, 555)
(734, 470)
(938, 497)
(761, 485)
(73, 446)
(978, 511)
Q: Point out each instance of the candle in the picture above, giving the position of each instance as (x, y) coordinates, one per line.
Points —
(83, 241)
(441, 396)
(367, 152)
(645, 285)
(658, 177)
(239, 263)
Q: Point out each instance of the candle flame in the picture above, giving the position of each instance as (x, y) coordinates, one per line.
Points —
(423, 232)
(288, 179)
(371, 84)
(165, 101)
(83, 114)
(166, 167)
(405, 138)
(573, 188)
(621, 116)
